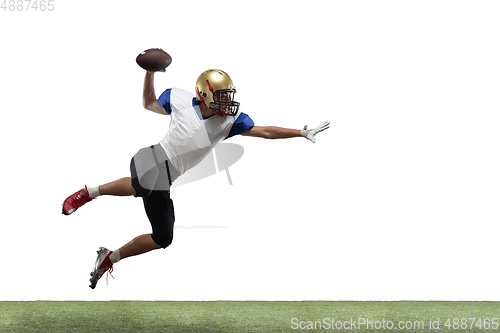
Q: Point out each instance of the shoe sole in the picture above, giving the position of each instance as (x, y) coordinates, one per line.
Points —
(70, 212)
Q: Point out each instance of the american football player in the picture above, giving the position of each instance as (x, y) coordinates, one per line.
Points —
(198, 122)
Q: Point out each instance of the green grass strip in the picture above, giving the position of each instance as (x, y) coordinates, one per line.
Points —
(249, 316)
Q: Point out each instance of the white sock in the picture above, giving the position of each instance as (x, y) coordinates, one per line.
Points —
(115, 256)
(93, 191)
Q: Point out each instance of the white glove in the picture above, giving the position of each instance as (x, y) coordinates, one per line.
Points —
(310, 133)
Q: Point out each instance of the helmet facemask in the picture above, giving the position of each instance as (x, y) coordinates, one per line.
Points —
(224, 103)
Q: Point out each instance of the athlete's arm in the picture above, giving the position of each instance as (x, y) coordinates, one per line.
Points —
(149, 100)
(273, 132)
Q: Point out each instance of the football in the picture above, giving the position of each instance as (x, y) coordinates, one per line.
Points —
(154, 60)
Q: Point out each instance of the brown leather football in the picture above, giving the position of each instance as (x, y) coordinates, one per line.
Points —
(154, 60)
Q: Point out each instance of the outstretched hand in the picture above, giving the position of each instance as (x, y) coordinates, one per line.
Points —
(310, 134)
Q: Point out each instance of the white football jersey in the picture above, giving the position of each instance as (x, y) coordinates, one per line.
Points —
(190, 137)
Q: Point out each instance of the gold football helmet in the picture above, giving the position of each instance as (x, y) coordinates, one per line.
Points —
(215, 88)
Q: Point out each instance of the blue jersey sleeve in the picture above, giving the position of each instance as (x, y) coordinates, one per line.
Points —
(242, 124)
(164, 101)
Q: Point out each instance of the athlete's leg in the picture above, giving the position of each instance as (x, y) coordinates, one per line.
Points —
(139, 245)
(160, 211)
(120, 187)
(148, 172)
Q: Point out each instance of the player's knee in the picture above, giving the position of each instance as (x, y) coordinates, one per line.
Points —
(163, 240)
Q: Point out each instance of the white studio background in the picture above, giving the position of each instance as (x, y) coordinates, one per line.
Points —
(397, 200)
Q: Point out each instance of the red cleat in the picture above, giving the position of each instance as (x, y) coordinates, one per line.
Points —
(75, 201)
